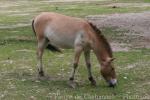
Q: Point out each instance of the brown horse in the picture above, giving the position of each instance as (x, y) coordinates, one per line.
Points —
(56, 31)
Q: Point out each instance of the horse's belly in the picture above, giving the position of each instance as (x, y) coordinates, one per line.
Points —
(62, 42)
(59, 39)
(64, 39)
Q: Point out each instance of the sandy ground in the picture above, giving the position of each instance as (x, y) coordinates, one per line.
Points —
(136, 25)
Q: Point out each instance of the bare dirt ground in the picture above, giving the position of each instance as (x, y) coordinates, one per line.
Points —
(135, 25)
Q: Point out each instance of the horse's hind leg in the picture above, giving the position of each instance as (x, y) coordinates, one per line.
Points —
(40, 49)
(88, 64)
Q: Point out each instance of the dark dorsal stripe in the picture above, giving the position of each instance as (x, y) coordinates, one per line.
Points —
(102, 38)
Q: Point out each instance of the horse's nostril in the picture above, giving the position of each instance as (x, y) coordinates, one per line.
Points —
(112, 85)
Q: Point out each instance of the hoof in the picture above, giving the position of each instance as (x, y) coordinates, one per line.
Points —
(72, 84)
(41, 74)
(93, 82)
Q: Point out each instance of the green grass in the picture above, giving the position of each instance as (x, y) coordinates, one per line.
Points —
(82, 10)
(18, 73)
(24, 13)
(18, 59)
(132, 1)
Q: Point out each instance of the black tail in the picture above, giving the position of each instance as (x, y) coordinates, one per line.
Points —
(33, 27)
(53, 48)
(49, 46)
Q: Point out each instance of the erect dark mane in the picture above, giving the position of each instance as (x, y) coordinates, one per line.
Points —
(102, 38)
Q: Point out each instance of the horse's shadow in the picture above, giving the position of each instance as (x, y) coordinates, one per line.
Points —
(58, 81)
(36, 79)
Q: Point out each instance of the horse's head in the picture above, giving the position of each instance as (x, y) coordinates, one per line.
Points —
(108, 72)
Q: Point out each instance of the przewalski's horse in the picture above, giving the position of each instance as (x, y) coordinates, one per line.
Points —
(56, 31)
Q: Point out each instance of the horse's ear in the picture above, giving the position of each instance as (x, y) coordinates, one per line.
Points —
(110, 60)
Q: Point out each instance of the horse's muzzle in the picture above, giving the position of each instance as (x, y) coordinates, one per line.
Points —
(112, 83)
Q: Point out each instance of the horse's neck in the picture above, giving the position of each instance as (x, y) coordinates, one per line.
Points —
(101, 54)
(101, 51)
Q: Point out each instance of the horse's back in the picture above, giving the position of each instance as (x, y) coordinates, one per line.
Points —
(61, 30)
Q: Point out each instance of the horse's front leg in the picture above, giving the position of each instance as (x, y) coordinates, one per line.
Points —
(78, 51)
(88, 64)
